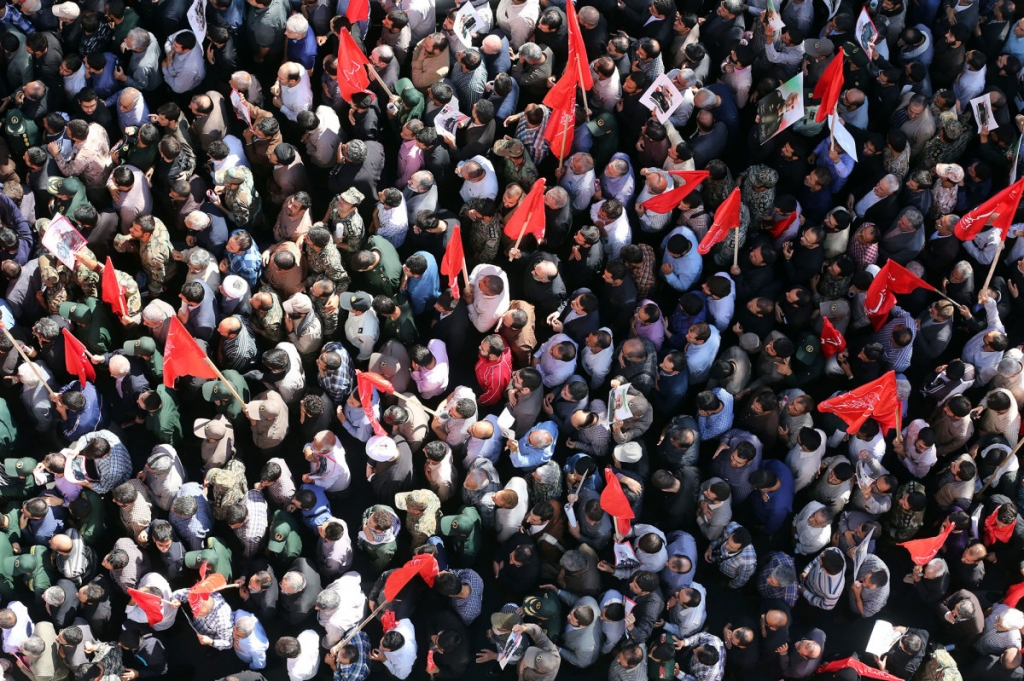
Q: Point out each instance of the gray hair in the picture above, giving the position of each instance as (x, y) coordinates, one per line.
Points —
(384, 53)
(139, 39)
(297, 24)
(197, 219)
(687, 77)
(54, 596)
(964, 268)
(573, 561)
(704, 98)
(245, 625)
(531, 52)
(423, 180)
(914, 216)
(558, 195)
(199, 257)
(328, 599)
(891, 183)
(294, 580)
(785, 575)
(242, 78)
(34, 646)
(154, 313)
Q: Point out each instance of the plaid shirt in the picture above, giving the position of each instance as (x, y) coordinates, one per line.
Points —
(254, 531)
(532, 137)
(862, 254)
(777, 559)
(247, 265)
(338, 382)
(595, 439)
(469, 608)
(738, 567)
(193, 531)
(360, 669)
(698, 670)
(137, 515)
(643, 272)
(218, 625)
(114, 468)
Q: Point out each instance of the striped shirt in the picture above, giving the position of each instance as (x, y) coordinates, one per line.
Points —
(821, 589)
(193, 531)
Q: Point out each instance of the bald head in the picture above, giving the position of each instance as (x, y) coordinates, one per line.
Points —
(119, 366)
(61, 543)
(491, 45)
(589, 16)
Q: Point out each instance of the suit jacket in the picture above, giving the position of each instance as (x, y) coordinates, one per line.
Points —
(298, 607)
(213, 126)
(581, 647)
(453, 330)
(902, 247)
(522, 342)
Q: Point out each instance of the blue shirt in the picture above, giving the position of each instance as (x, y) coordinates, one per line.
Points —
(303, 51)
(233, 16)
(713, 425)
(530, 457)
(321, 511)
(89, 419)
(193, 531)
(425, 290)
(772, 514)
(593, 481)
(252, 649)
(247, 265)
(669, 394)
(106, 86)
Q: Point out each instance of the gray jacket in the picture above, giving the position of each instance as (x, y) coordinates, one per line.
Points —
(581, 647)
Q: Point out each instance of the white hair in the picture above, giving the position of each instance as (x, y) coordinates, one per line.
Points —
(197, 219)
(298, 25)
(1011, 619)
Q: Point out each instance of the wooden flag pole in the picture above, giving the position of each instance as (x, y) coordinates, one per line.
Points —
(366, 621)
(380, 80)
(736, 249)
(465, 272)
(231, 388)
(579, 79)
(406, 399)
(992, 267)
(522, 232)
(32, 365)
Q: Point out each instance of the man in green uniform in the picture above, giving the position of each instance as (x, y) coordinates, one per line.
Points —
(462, 535)
(217, 392)
(285, 543)
(145, 349)
(216, 553)
(163, 418)
(92, 324)
(379, 268)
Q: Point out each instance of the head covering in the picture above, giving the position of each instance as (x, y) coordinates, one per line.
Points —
(950, 171)
(381, 448)
(234, 287)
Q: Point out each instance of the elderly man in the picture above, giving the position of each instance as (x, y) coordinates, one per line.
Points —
(249, 640)
(90, 157)
(292, 91)
(144, 63)
(535, 447)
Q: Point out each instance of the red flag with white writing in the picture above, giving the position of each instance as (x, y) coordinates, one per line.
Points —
(877, 400)
(577, 49)
(352, 63)
(529, 216)
(997, 211)
(561, 125)
(831, 340)
(112, 291)
(893, 278)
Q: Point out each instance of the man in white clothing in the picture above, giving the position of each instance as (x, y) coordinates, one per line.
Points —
(518, 18)
(397, 649)
(339, 607)
(292, 91)
(328, 466)
(184, 68)
(302, 654)
(430, 368)
(15, 626)
(986, 348)
(487, 296)
(479, 180)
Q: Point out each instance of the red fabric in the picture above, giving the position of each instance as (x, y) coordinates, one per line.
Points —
(493, 377)
(206, 586)
(453, 261)
(892, 279)
(183, 356)
(151, 604)
(829, 87)
(923, 550)
(76, 359)
(528, 217)
(352, 77)
(726, 217)
(423, 565)
(1014, 594)
(379, 382)
(388, 621)
(112, 291)
(876, 400)
(615, 503)
(359, 10)
(780, 226)
(365, 387)
(993, 533)
(577, 49)
(559, 131)
(663, 203)
(1003, 206)
(859, 667)
(831, 340)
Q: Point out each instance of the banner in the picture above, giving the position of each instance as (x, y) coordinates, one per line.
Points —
(63, 240)
(197, 20)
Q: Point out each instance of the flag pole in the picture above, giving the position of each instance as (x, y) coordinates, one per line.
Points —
(234, 393)
(31, 364)
(579, 80)
(522, 232)
(736, 249)
(380, 80)
(465, 271)
(992, 267)
(352, 634)
(406, 399)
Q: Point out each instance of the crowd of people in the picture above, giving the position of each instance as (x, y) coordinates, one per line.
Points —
(609, 444)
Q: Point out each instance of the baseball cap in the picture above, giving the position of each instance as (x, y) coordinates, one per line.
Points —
(509, 148)
(818, 47)
(262, 410)
(280, 532)
(62, 186)
(194, 558)
(353, 196)
(215, 390)
(143, 346)
(79, 313)
(357, 300)
(19, 467)
(460, 525)
(209, 429)
(505, 620)
(298, 304)
(20, 565)
(68, 11)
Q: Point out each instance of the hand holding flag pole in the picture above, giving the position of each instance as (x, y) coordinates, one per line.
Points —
(992, 267)
(21, 352)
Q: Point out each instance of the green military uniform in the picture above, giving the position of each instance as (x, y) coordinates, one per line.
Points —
(7, 585)
(68, 195)
(92, 324)
(385, 277)
(661, 669)
(218, 393)
(462, 533)
(544, 609)
(92, 523)
(21, 132)
(402, 329)
(216, 553)
(8, 429)
(35, 568)
(808, 362)
(18, 482)
(285, 543)
(145, 349)
(121, 31)
(165, 424)
(380, 554)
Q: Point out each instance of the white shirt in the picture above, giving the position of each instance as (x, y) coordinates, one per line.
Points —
(186, 71)
(15, 636)
(613, 631)
(984, 361)
(554, 371)
(432, 382)
(74, 83)
(619, 232)
(918, 463)
(297, 98)
(136, 614)
(294, 381)
(804, 464)
(518, 21)
(722, 310)
(810, 540)
(336, 476)
(348, 613)
(337, 552)
(598, 364)
(235, 157)
(487, 310)
(307, 664)
(508, 520)
(399, 662)
(362, 331)
(486, 188)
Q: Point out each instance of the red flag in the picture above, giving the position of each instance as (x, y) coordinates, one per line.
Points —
(424, 565)
(876, 399)
(561, 99)
(859, 667)
(76, 359)
(358, 10)
(831, 340)
(379, 382)
(829, 87)
(999, 210)
(893, 278)
(183, 356)
(726, 217)
(388, 620)
(453, 261)
(665, 202)
(577, 49)
(615, 503)
(151, 604)
(365, 387)
(1014, 594)
(112, 291)
(923, 550)
(529, 217)
(206, 586)
(352, 77)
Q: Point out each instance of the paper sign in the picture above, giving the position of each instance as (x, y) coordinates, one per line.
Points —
(63, 240)
(618, 408)
(197, 19)
(628, 604)
(833, 7)
(505, 423)
(241, 110)
(447, 121)
(882, 638)
(843, 137)
(867, 34)
(663, 98)
(511, 643)
(468, 22)
(861, 553)
(983, 115)
(774, 19)
(781, 109)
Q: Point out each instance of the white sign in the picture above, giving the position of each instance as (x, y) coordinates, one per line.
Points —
(663, 98)
(618, 406)
(197, 20)
(983, 115)
(842, 136)
(448, 120)
(63, 240)
(467, 22)
(774, 19)
(867, 34)
(241, 110)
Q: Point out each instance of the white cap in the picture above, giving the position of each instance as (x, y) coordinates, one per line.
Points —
(381, 448)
